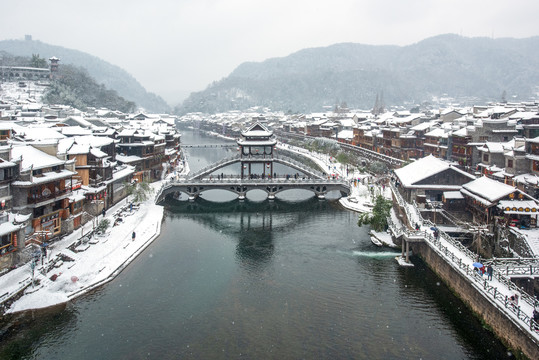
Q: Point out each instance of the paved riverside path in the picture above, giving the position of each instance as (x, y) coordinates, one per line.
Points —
(92, 264)
(497, 291)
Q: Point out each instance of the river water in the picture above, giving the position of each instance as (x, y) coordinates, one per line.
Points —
(286, 279)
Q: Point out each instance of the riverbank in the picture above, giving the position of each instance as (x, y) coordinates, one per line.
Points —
(72, 268)
(360, 198)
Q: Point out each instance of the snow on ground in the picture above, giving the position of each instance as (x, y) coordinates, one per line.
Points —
(461, 260)
(103, 258)
(360, 199)
(98, 261)
(382, 238)
(532, 236)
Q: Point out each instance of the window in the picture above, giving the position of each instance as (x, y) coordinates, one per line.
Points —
(483, 138)
(485, 157)
(509, 163)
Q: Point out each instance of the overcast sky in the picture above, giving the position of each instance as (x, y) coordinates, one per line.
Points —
(194, 42)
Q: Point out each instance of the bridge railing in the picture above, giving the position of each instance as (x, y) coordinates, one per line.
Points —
(237, 157)
(456, 261)
(278, 180)
(214, 165)
(497, 295)
(511, 266)
(300, 165)
(236, 179)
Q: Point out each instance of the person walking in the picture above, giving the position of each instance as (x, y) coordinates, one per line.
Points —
(133, 236)
(490, 270)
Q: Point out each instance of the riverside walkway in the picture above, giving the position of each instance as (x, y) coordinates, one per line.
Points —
(498, 291)
(359, 151)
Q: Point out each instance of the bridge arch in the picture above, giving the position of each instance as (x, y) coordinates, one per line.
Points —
(193, 188)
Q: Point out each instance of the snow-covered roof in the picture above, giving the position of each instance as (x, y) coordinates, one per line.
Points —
(65, 144)
(488, 189)
(453, 195)
(98, 153)
(6, 164)
(120, 174)
(77, 149)
(9, 227)
(75, 130)
(76, 195)
(461, 132)
(319, 122)
(127, 132)
(346, 134)
(533, 140)
(424, 168)
(422, 126)
(521, 207)
(45, 178)
(257, 130)
(531, 179)
(127, 159)
(94, 141)
(269, 142)
(79, 120)
(347, 122)
(39, 133)
(437, 133)
(34, 157)
(492, 147)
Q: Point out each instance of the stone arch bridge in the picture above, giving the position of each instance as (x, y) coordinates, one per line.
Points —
(312, 180)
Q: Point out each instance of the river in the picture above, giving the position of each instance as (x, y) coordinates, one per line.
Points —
(286, 279)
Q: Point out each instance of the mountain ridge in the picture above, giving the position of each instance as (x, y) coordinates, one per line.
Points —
(444, 65)
(110, 75)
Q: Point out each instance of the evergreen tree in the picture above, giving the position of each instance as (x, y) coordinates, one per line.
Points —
(378, 218)
(38, 62)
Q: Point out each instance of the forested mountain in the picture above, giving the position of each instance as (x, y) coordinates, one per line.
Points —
(75, 87)
(111, 76)
(443, 66)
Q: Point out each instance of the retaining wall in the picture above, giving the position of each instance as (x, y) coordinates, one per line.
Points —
(510, 332)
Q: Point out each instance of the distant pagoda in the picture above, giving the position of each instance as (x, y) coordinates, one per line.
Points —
(256, 149)
(54, 66)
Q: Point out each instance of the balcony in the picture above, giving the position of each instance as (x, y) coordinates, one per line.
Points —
(37, 198)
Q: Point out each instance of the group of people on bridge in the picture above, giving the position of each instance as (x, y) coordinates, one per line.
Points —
(262, 176)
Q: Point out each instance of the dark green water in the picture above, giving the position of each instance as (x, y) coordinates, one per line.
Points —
(286, 279)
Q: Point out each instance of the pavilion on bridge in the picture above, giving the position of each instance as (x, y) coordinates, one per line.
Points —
(257, 147)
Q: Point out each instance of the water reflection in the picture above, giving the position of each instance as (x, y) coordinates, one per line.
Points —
(253, 223)
(268, 279)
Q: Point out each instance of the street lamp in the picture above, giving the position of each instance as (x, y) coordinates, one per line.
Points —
(435, 206)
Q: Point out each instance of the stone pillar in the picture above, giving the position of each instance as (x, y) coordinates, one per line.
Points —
(402, 246)
(407, 252)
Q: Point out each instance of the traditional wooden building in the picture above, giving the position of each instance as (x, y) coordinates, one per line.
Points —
(42, 189)
(484, 195)
(428, 178)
